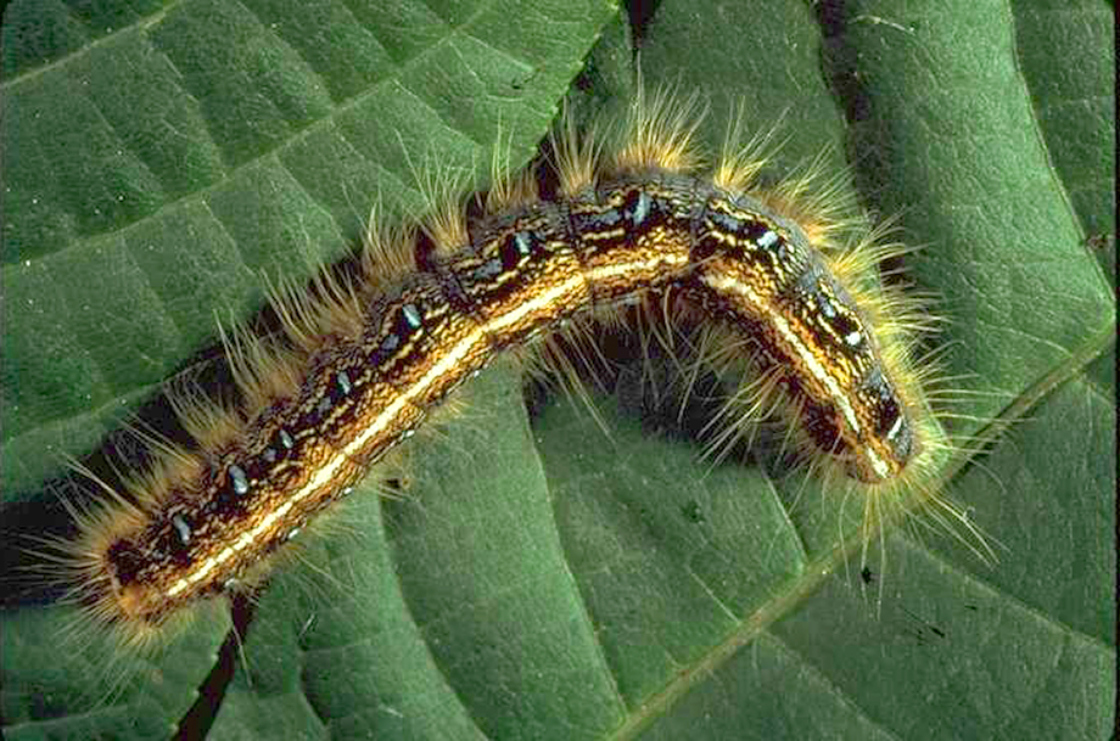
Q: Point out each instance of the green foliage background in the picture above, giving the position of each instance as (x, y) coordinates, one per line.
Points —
(541, 580)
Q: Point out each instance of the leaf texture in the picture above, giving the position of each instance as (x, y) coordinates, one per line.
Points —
(539, 577)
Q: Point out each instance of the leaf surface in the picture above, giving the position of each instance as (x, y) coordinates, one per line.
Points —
(538, 578)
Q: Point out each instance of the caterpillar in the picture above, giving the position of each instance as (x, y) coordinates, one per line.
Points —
(769, 275)
(366, 359)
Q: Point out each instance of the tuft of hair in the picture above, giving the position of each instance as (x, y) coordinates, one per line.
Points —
(212, 424)
(509, 190)
(819, 199)
(660, 132)
(577, 156)
(442, 217)
(388, 249)
(568, 360)
(262, 368)
(326, 305)
(742, 160)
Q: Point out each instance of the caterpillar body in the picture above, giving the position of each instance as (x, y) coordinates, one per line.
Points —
(367, 359)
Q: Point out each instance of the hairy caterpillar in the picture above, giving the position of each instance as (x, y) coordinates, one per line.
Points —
(708, 515)
(367, 360)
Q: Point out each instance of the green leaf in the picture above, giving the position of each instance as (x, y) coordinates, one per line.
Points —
(538, 579)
